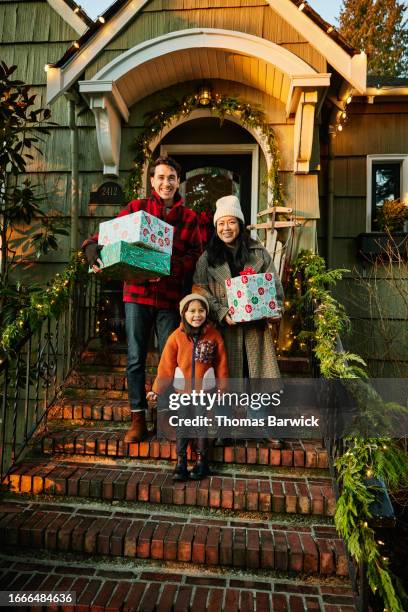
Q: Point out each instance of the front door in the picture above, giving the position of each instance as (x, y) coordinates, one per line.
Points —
(207, 177)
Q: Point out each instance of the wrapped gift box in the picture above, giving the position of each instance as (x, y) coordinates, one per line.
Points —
(125, 261)
(252, 297)
(139, 228)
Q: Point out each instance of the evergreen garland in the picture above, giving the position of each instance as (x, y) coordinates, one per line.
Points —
(43, 304)
(366, 459)
(222, 107)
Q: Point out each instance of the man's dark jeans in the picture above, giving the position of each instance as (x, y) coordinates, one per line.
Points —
(140, 319)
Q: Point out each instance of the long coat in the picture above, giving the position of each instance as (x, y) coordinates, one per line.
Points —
(259, 346)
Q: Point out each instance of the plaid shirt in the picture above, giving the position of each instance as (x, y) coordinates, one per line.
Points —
(168, 291)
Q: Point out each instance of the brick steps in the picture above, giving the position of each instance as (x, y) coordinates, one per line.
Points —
(96, 410)
(297, 365)
(109, 442)
(305, 496)
(131, 589)
(109, 523)
(249, 545)
(109, 381)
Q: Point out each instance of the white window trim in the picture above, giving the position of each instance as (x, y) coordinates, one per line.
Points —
(224, 149)
(387, 157)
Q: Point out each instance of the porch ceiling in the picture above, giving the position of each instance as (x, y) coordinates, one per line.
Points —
(205, 63)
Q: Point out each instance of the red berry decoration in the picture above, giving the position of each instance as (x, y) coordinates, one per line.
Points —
(244, 279)
(248, 308)
(268, 276)
(229, 283)
(153, 238)
(145, 232)
(231, 310)
(261, 290)
(161, 241)
(167, 241)
(239, 293)
(272, 305)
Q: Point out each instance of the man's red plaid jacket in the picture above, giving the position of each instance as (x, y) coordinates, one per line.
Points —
(168, 291)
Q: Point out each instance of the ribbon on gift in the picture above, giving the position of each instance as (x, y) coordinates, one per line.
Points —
(247, 271)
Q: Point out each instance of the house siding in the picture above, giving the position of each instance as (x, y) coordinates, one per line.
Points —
(378, 312)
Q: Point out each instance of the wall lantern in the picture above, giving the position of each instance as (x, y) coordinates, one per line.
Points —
(204, 95)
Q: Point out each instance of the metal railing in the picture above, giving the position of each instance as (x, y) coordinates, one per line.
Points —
(31, 379)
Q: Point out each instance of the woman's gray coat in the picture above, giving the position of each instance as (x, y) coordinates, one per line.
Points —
(260, 350)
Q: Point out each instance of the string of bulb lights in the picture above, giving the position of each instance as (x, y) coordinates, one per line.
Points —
(76, 45)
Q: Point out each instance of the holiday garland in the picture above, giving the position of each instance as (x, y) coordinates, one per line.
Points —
(366, 459)
(48, 303)
(222, 107)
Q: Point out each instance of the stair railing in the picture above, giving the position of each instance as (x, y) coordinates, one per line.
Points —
(32, 377)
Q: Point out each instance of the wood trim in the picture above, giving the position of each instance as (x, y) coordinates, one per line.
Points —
(86, 54)
(68, 15)
(240, 42)
(352, 68)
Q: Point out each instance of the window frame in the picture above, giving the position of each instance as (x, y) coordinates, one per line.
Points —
(387, 158)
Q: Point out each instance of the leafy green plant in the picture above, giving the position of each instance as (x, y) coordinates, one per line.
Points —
(23, 128)
(40, 304)
(392, 215)
(366, 458)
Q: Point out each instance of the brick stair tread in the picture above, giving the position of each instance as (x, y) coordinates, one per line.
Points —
(109, 381)
(297, 549)
(109, 442)
(103, 409)
(145, 589)
(118, 358)
(264, 493)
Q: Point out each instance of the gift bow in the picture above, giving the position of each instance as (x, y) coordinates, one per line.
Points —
(247, 271)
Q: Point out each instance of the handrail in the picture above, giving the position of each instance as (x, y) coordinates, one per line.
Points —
(31, 377)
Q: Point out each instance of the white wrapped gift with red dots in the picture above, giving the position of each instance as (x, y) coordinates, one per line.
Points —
(139, 228)
(252, 296)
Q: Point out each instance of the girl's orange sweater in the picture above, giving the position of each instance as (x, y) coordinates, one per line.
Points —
(189, 364)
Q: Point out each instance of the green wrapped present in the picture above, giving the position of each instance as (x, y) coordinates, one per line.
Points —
(125, 261)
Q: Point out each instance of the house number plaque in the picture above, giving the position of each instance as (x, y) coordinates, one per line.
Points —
(108, 193)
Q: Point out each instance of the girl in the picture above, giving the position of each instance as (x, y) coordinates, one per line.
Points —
(194, 358)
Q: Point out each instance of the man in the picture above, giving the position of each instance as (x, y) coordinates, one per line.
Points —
(154, 303)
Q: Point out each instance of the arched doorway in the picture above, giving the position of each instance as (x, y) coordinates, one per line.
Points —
(228, 156)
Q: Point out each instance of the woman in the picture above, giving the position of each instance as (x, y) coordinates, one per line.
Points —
(250, 346)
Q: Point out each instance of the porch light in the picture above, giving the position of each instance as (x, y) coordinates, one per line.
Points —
(340, 127)
(330, 29)
(349, 99)
(77, 9)
(101, 19)
(302, 6)
(204, 95)
(76, 44)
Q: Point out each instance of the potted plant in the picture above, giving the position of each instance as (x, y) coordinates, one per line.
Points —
(391, 239)
(392, 216)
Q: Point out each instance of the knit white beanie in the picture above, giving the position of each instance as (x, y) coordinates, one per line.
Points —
(190, 298)
(228, 206)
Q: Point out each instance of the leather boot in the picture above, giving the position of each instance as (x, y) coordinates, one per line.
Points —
(138, 430)
(201, 469)
(180, 473)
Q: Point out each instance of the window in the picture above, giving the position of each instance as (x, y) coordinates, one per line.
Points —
(387, 179)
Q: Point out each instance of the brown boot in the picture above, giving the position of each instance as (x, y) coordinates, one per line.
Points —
(138, 430)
